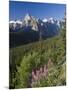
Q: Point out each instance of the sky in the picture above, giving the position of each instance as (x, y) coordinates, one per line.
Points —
(18, 10)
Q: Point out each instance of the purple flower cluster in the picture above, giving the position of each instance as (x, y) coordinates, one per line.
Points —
(40, 73)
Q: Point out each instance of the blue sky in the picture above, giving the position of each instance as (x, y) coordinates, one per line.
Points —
(17, 10)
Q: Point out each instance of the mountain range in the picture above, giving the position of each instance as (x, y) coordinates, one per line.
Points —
(30, 28)
(32, 22)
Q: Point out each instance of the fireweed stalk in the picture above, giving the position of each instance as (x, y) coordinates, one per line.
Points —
(40, 73)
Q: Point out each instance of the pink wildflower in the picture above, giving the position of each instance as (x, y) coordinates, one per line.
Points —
(34, 77)
(45, 73)
(37, 73)
(41, 69)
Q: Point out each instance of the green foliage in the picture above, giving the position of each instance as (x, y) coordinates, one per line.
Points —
(26, 58)
(56, 77)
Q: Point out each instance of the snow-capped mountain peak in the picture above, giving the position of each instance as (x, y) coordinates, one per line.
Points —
(51, 20)
(15, 24)
(19, 22)
(30, 22)
(12, 21)
(27, 17)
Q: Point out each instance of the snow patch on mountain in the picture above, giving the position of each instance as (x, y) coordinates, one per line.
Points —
(45, 20)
